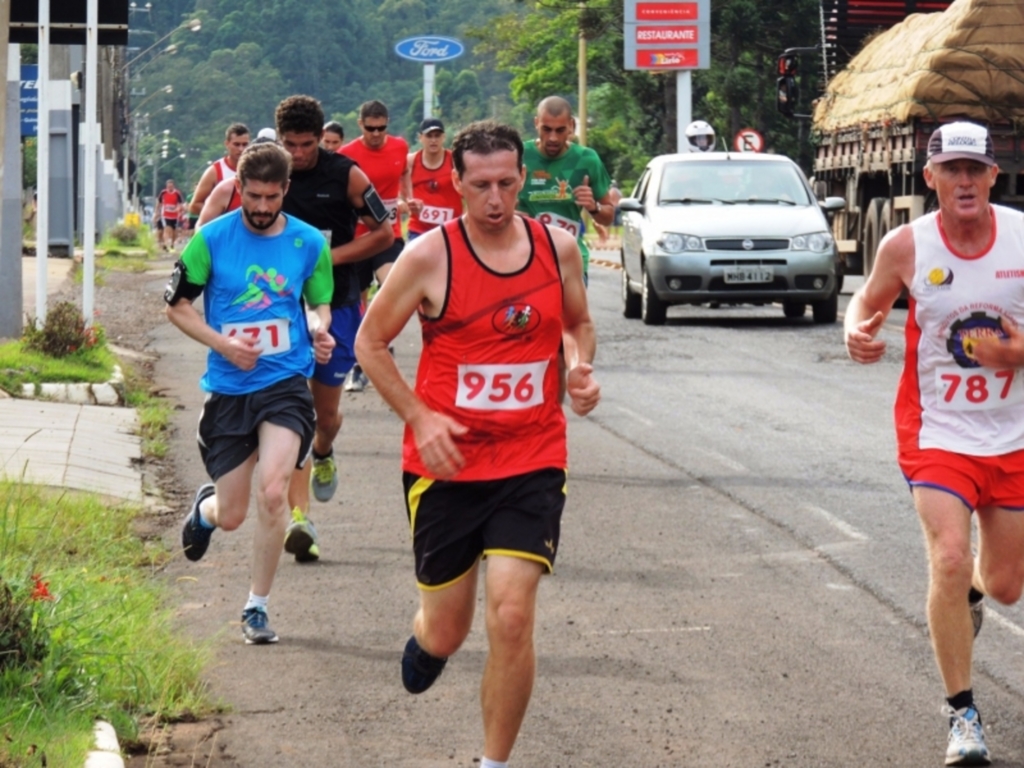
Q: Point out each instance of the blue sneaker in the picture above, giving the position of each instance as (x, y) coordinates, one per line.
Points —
(195, 537)
(256, 628)
(419, 668)
(300, 538)
(966, 738)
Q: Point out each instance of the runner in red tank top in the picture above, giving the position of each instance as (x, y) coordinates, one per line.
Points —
(484, 450)
(434, 199)
(225, 196)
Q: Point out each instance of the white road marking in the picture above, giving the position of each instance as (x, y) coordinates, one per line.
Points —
(1004, 622)
(840, 525)
(637, 416)
(730, 463)
(662, 630)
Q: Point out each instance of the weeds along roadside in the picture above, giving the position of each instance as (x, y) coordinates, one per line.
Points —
(87, 629)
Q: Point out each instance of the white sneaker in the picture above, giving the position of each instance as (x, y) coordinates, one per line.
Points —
(966, 737)
(355, 380)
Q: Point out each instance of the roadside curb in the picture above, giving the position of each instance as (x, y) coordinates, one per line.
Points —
(107, 393)
(606, 263)
(108, 752)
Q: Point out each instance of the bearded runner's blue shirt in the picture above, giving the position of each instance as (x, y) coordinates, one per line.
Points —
(252, 286)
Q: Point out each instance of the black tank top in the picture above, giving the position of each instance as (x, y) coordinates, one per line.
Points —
(319, 197)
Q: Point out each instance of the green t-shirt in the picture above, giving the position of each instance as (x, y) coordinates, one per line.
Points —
(548, 196)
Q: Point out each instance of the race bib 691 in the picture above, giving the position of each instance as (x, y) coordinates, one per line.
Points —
(501, 387)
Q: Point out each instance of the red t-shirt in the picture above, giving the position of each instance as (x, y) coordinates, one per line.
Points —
(170, 202)
(490, 361)
(441, 202)
(384, 168)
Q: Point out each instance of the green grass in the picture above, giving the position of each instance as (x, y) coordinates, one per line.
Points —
(21, 366)
(108, 646)
(154, 414)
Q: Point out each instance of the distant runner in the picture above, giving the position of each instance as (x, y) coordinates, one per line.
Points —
(564, 179)
(434, 197)
(169, 206)
(253, 269)
(333, 138)
(236, 139)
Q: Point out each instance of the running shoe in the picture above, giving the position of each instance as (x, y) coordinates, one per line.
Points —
(195, 537)
(419, 668)
(325, 477)
(355, 380)
(256, 628)
(300, 538)
(977, 615)
(966, 737)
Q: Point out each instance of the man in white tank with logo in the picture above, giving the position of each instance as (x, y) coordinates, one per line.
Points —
(960, 403)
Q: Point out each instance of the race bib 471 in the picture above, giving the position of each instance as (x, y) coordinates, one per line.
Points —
(271, 336)
(510, 387)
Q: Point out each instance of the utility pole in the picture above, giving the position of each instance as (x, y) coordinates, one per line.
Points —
(11, 300)
(581, 66)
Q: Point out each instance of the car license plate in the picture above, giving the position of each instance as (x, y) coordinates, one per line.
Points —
(749, 275)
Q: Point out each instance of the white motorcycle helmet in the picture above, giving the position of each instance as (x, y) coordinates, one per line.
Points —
(701, 136)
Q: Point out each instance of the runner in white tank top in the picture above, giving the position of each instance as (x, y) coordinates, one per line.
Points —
(946, 399)
(236, 139)
(960, 405)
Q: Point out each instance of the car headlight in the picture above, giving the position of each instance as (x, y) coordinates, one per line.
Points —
(672, 242)
(816, 241)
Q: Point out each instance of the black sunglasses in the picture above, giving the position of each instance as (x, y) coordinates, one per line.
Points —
(376, 128)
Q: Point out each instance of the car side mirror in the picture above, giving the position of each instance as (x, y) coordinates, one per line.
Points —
(832, 204)
(631, 205)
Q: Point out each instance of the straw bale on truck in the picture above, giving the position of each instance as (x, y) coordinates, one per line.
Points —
(875, 118)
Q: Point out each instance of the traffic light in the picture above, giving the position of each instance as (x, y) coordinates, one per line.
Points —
(787, 91)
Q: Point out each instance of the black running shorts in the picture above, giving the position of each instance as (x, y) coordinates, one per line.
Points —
(229, 424)
(369, 266)
(455, 523)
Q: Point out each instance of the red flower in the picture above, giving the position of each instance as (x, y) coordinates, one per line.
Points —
(41, 591)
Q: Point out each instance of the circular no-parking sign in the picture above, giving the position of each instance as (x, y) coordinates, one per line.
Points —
(748, 140)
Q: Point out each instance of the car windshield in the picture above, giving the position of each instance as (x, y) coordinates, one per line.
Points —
(732, 181)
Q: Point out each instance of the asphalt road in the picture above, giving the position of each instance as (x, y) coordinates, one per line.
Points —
(740, 582)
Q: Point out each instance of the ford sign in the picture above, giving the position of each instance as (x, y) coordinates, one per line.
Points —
(429, 50)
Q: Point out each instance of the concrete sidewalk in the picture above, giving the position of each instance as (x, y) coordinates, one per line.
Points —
(85, 447)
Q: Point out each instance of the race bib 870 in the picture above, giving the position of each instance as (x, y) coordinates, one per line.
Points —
(501, 387)
(977, 389)
(271, 336)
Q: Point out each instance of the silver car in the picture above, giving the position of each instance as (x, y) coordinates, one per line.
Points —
(727, 228)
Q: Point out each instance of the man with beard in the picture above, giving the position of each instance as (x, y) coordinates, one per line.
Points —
(564, 179)
(262, 348)
(330, 192)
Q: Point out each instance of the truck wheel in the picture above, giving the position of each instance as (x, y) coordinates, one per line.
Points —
(872, 233)
(652, 309)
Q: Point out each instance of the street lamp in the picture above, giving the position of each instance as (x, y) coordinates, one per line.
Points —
(195, 25)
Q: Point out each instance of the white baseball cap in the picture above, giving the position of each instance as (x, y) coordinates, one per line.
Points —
(961, 141)
(267, 133)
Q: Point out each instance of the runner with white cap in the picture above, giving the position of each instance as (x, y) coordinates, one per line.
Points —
(960, 402)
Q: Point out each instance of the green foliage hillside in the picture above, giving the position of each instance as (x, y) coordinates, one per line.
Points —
(249, 54)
